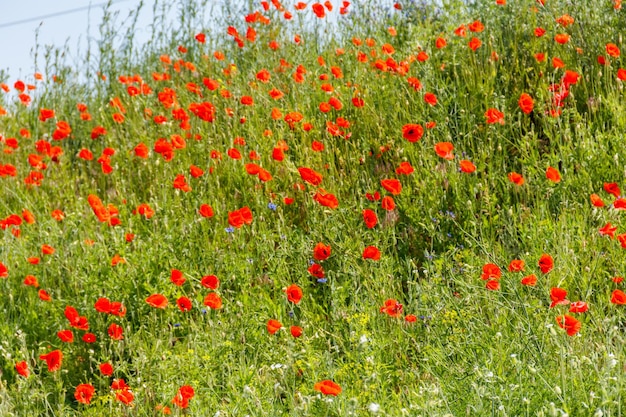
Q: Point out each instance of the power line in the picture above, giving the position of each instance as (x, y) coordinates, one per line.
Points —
(47, 16)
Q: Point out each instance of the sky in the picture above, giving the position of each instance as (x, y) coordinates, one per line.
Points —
(18, 40)
(71, 22)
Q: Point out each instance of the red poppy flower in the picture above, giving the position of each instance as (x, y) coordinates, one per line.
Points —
(608, 230)
(31, 281)
(557, 295)
(620, 204)
(76, 321)
(66, 336)
(294, 293)
(596, 201)
(493, 285)
(47, 249)
(371, 252)
(476, 26)
(157, 301)
(430, 98)
(184, 394)
(83, 393)
(180, 183)
(319, 10)
(316, 270)
(22, 369)
(247, 101)
(321, 252)
(45, 114)
(213, 301)
(392, 308)
(310, 176)
(206, 210)
(370, 218)
(392, 185)
(296, 331)
(53, 359)
(569, 323)
(546, 263)
(526, 103)
(43, 295)
(612, 188)
(474, 44)
(561, 38)
(494, 116)
(491, 271)
(565, 20)
(405, 168)
(444, 150)
(570, 78)
(210, 281)
(618, 297)
(556, 62)
(467, 166)
(240, 217)
(28, 216)
(195, 171)
(373, 197)
(530, 280)
(327, 387)
(516, 265)
(412, 132)
(98, 131)
(326, 199)
(553, 175)
(125, 396)
(335, 103)
(612, 50)
(273, 326)
(516, 178)
(410, 318)
(177, 278)
(184, 304)
(89, 338)
(115, 332)
(106, 369)
(62, 131)
(388, 203)
(317, 146)
(416, 84)
(358, 102)
(578, 307)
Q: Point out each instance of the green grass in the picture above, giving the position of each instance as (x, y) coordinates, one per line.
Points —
(471, 351)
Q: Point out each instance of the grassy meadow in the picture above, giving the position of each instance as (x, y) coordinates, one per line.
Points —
(320, 209)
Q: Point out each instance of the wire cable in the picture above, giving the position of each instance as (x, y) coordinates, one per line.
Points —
(47, 16)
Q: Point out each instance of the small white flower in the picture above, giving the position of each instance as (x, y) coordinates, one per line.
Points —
(612, 361)
(374, 408)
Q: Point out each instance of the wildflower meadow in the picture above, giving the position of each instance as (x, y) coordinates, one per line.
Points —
(313, 208)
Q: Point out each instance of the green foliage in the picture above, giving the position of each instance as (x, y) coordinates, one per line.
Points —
(469, 351)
